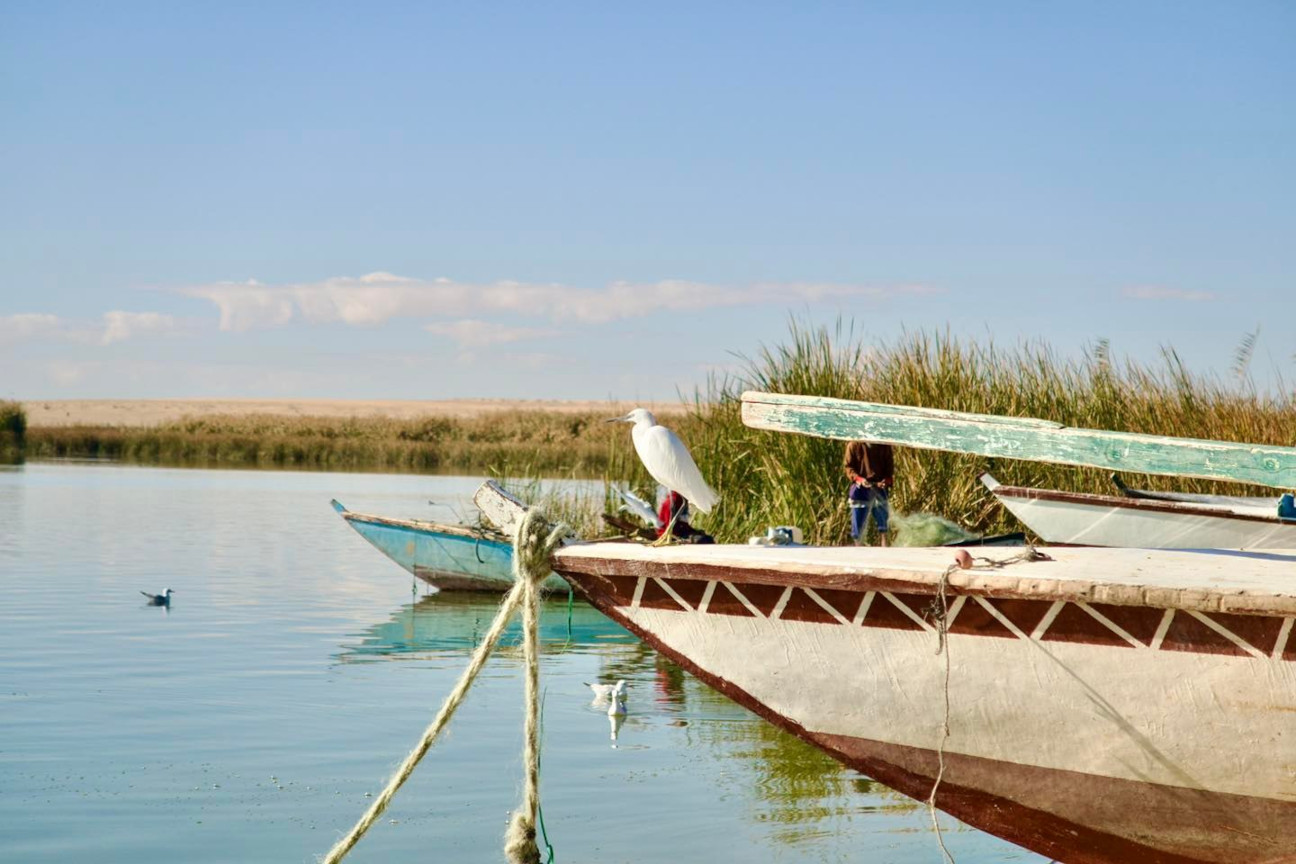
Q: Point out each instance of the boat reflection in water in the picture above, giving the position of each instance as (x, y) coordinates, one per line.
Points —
(798, 790)
(455, 623)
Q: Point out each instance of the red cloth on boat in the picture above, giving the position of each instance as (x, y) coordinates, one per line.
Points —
(672, 504)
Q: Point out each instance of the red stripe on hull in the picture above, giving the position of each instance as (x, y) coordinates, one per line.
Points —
(1071, 624)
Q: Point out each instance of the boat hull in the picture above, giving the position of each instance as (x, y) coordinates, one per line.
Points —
(448, 557)
(1089, 732)
(1105, 520)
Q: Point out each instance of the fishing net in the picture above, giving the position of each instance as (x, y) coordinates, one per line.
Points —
(927, 529)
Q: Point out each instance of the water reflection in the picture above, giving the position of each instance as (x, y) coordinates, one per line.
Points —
(455, 623)
(798, 789)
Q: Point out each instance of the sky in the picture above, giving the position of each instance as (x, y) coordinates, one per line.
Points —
(595, 200)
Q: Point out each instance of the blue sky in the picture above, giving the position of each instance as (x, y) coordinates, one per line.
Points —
(603, 200)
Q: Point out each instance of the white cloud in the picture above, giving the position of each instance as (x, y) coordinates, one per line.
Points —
(378, 297)
(115, 326)
(1160, 292)
(473, 333)
(119, 326)
(16, 328)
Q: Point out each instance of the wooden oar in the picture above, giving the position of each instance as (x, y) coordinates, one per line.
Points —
(1021, 438)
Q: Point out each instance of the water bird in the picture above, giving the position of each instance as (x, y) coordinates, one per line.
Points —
(604, 692)
(163, 599)
(668, 460)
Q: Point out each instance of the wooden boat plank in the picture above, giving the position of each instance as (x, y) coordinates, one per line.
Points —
(499, 507)
(1204, 581)
(1021, 438)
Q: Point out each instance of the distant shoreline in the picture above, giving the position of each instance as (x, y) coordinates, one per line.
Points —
(137, 413)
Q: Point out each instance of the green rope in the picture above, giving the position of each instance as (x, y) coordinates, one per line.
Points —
(540, 809)
(571, 594)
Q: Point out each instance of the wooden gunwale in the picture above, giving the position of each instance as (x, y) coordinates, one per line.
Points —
(1025, 581)
(427, 527)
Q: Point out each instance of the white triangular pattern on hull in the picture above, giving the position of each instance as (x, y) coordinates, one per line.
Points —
(1110, 624)
(956, 605)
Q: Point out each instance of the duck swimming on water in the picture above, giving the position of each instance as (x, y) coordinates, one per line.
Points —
(163, 599)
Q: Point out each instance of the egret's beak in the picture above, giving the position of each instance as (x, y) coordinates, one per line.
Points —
(617, 420)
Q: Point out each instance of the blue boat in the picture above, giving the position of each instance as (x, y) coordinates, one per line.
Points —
(448, 557)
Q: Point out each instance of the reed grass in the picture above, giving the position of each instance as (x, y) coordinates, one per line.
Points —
(768, 478)
(765, 478)
(13, 431)
(517, 444)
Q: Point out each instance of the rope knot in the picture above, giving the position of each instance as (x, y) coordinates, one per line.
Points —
(534, 542)
(520, 845)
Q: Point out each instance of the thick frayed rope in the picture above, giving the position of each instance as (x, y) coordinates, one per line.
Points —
(531, 551)
(532, 546)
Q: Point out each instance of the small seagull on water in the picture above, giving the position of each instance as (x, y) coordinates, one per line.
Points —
(163, 599)
(603, 692)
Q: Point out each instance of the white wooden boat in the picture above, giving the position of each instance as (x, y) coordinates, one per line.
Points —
(1151, 521)
(1102, 705)
(1107, 705)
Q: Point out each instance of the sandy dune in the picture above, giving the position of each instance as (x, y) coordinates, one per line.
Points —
(150, 412)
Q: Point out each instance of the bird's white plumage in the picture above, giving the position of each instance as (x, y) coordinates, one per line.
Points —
(608, 691)
(668, 460)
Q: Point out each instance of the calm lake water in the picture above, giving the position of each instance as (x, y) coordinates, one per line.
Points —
(297, 666)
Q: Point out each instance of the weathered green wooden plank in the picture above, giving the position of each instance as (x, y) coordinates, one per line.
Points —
(1021, 438)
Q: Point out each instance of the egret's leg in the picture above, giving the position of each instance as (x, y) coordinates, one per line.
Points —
(668, 536)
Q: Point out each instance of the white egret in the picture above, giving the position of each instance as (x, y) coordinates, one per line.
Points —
(668, 460)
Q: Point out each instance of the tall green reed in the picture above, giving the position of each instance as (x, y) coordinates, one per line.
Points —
(768, 478)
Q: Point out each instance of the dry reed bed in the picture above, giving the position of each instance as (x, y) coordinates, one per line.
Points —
(529, 442)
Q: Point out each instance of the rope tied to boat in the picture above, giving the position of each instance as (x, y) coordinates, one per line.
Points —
(940, 612)
(533, 542)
